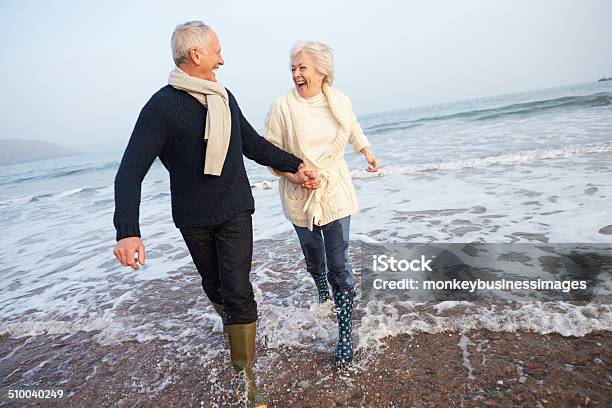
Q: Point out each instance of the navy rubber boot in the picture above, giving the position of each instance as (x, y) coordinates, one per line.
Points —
(343, 299)
(322, 288)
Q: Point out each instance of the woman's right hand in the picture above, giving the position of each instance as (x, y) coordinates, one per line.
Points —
(304, 177)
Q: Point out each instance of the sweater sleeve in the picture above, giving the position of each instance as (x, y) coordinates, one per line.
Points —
(357, 138)
(273, 133)
(146, 143)
(263, 152)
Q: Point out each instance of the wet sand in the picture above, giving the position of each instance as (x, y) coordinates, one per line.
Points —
(480, 368)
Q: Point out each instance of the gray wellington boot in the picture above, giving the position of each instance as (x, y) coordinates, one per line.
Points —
(242, 351)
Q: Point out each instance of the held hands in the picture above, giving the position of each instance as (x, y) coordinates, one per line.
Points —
(309, 177)
(371, 159)
(305, 177)
(126, 248)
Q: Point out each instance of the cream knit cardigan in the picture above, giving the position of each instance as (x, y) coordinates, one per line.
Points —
(287, 126)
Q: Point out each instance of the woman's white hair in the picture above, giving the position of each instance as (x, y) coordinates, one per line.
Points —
(185, 37)
(321, 54)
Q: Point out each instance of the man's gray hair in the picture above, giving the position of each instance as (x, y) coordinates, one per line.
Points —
(185, 37)
(321, 54)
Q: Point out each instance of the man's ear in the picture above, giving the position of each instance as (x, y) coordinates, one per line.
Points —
(194, 56)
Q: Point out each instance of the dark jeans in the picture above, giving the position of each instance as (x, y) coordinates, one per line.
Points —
(222, 254)
(328, 244)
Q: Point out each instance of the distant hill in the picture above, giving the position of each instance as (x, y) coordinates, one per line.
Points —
(13, 151)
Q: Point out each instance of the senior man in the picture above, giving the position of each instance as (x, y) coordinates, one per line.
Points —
(195, 126)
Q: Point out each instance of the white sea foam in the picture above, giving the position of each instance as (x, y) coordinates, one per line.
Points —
(563, 318)
(68, 193)
(476, 162)
(464, 341)
(502, 159)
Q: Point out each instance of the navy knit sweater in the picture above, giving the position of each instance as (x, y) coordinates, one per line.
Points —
(171, 127)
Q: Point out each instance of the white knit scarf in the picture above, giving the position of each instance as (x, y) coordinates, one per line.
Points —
(298, 109)
(218, 116)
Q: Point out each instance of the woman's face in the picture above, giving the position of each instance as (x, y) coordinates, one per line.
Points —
(308, 81)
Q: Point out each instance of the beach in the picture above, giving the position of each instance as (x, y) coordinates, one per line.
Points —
(531, 168)
(475, 369)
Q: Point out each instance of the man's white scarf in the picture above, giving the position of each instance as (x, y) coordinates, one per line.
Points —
(218, 127)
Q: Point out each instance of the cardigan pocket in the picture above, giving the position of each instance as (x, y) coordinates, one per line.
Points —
(295, 209)
(296, 193)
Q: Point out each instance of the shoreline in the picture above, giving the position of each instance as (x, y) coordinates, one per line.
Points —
(474, 369)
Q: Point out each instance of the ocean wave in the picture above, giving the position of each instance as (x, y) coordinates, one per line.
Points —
(61, 172)
(50, 327)
(502, 159)
(37, 197)
(386, 127)
(20, 200)
(266, 184)
(566, 319)
(69, 193)
(378, 321)
(517, 109)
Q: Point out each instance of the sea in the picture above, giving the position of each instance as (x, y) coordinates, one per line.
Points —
(533, 167)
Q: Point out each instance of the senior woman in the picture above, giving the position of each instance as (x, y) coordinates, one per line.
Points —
(315, 122)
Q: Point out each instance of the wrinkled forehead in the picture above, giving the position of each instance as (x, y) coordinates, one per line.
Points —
(302, 58)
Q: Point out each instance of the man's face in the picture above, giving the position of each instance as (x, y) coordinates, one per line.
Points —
(207, 57)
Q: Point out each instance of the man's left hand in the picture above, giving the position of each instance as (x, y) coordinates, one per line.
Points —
(308, 177)
(305, 177)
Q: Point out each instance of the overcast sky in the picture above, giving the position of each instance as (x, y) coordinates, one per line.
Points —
(78, 72)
